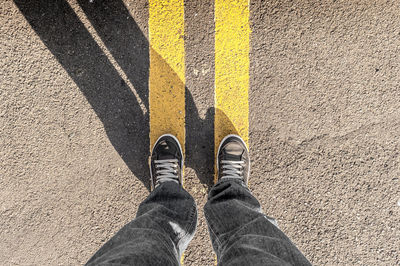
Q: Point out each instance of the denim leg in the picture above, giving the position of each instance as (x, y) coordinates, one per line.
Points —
(241, 233)
(164, 225)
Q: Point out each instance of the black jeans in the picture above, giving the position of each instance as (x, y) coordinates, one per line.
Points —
(166, 221)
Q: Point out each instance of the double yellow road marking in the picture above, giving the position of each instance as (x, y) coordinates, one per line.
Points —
(167, 69)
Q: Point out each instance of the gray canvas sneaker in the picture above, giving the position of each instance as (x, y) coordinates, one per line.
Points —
(233, 159)
(166, 161)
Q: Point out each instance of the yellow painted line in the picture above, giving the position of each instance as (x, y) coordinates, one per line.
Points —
(167, 69)
(232, 46)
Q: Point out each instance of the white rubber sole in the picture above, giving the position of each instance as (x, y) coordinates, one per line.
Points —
(244, 143)
(180, 148)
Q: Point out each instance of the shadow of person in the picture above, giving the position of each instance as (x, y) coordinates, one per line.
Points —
(126, 125)
(124, 115)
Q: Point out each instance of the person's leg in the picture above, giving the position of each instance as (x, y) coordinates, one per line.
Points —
(165, 222)
(164, 225)
(241, 233)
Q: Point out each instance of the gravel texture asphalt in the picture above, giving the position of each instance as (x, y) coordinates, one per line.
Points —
(324, 125)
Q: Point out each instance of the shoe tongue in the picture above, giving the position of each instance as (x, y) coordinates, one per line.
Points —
(165, 152)
(233, 153)
(165, 156)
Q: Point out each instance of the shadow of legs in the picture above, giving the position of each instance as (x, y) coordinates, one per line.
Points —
(116, 106)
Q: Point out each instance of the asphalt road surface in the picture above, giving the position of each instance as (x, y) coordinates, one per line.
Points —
(323, 125)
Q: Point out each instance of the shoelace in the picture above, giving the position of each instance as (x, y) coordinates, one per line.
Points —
(166, 170)
(232, 169)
